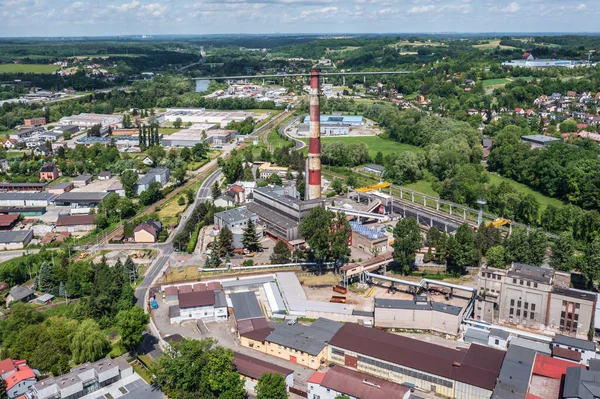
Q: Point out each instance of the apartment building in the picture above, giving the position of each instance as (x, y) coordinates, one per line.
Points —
(534, 297)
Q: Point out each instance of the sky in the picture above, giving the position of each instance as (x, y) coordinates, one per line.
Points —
(155, 17)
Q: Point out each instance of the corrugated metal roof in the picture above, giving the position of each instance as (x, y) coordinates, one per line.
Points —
(574, 342)
(246, 281)
(308, 339)
(245, 305)
(529, 344)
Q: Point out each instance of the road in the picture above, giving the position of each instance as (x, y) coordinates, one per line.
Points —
(299, 144)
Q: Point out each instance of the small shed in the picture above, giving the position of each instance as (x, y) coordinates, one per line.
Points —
(44, 299)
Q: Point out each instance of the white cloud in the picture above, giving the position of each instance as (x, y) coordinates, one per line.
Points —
(581, 6)
(421, 9)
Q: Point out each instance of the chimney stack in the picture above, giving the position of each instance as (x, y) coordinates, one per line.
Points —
(314, 146)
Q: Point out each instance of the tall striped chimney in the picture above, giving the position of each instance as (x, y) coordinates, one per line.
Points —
(314, 144)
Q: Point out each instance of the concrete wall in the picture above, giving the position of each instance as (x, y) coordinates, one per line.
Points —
(415, 319)
(513, 294)
(143, 236)
(253, 344)
(72, 229)
(583, 309)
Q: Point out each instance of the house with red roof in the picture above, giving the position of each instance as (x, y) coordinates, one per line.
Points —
(147, 231)
(19, 377)
(519, 111)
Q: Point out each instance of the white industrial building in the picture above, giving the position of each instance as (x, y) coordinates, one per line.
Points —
(207, 305)
(88, 120)
(201, 115)
(21, 199)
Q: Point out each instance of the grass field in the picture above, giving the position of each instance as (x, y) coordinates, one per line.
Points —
(422, 186)
(14, 155)
(522, 188)
(27, 68)
(502, 81)
(276, 140)
(492, 45)
(167, 130)
(375, 144)
(169, 213)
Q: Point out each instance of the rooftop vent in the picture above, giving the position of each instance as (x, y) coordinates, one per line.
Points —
(456, 364)
(371, 384)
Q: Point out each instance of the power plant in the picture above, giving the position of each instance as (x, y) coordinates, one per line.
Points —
(313, 161)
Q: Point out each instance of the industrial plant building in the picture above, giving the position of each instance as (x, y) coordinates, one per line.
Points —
(531, 62)
(279, 213)
(191, 137)
(23, 199)
(88, 120)
(534, 297)
(201, 115)
(332, 125)
(460, 374)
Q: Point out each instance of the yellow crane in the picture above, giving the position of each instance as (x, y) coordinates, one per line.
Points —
(498, 222)
(374, 187)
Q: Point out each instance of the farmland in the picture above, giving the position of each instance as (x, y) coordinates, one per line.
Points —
(27, 68)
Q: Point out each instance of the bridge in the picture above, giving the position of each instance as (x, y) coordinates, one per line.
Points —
(359, 214)
(369, 265)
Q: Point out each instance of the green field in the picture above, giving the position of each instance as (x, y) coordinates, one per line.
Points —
(27, 68)
(14, 155)
(422, 186)
(522, 188)
(495, 82)
(276, 140)
(492, 44)
(375, 144)
(167, 130)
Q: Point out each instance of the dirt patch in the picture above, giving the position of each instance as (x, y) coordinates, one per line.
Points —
(326, 279)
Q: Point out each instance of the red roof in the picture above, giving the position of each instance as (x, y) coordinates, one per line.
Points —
(550, 367)
(256, 329)
(566, 354)
(518, 109)
(184, 289)
(76, 220)
(478, 366)
(8, 365)
(172, 290)
(24, 373)
(8, 220)
(196, 299)
(254, 368)
(316, 378)
(359, 385)
(236, 189)
(526, 55)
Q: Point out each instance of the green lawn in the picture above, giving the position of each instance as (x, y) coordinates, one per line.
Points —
(27, 68)
(495, 82)
(14, 155)
(375, 144)
(276, 140)
(522, 188)
(167, 130)
(422, 186)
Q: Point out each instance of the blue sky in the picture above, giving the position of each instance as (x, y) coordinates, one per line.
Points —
(153, 17)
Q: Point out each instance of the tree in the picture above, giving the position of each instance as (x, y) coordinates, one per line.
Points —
(517, 246)
(250, 238)
(3, 386)
(94, 131)
(379, 158)
(152, 194)
(407, 241)
(179, 175)
(128, 179)
(131, 325)
(89, 342)
(496, 257)
(461, 250)
(337, 186)
(591, 265)
(537, 243)
(326, 234)
(562, 253)
(156, 152)
(281, 253)
(215, 190)
(130, 269)
(198, 369)
(177, 123)
(225, 241)
(271, 386)
(44, 280)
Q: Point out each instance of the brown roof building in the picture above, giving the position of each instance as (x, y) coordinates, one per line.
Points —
(75, 223)
(427, 366)
(253, 368)
(196, 299)
(7, 222)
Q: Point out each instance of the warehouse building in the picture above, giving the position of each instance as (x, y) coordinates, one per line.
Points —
(80, 199)
(201, 115)
(160, 175)
(23, 199)
(85, 120)
(538, 140)
(340, 381)
(15, 239)
(304, 345)
(207, 305)
(245, 306)
(75, 223)
(418, 314)
(191, 137)
(460, 374)
(23, 187)
(251, 369)
(515, 374)
(534, 297)
(233, 218)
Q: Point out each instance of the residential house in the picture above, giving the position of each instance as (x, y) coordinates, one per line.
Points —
(225, 200)
(83, 379)
(9, 144)
(75, 223)
(160, 175)
(519, 111)
(340, 381)
(19, 377)
(19, 293)
(42, 150)
(49, 172)
(147, 231)
(148, 161)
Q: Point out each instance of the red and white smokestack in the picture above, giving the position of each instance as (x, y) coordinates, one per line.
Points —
(314, 144)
